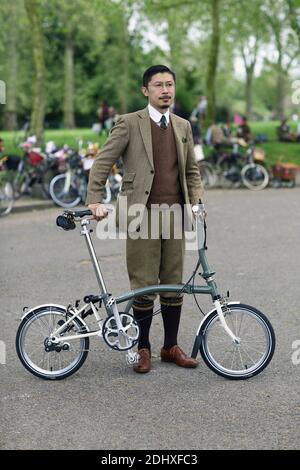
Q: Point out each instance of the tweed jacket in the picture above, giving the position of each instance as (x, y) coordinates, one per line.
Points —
(130, 139)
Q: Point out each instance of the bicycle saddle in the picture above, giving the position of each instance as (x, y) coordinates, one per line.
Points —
(66, 222)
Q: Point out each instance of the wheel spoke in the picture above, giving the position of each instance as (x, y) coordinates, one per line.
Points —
(251, 355)
(51, 364)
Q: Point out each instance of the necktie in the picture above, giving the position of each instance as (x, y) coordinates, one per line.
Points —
(163, 122)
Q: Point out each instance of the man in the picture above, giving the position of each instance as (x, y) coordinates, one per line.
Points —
(284, 134)
(201, 109)
(215, 135)
(244, 131)
(159, 168)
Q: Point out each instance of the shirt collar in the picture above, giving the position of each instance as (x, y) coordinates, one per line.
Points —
(156, 115)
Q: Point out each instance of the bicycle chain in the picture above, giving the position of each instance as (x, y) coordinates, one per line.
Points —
(82, 350)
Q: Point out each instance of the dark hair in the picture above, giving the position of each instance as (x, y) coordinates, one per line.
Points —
(156, 69)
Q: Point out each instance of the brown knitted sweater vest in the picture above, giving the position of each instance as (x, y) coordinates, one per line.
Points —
(166, 188)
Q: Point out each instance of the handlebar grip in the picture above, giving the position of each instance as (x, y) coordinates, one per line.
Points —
(82, 213)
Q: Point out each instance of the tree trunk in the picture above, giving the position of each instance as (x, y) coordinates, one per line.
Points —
(10, 116)
(69, 119)
(248, 90)
(38, 110)
(280, 79)
(280, 93)
(213, 63)
(174, 42)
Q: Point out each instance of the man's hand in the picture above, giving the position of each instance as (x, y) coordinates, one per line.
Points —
(99, 211)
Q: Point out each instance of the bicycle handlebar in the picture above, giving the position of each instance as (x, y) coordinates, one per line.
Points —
(81, 213)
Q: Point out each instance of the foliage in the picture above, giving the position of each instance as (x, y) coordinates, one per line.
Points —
(114, 41)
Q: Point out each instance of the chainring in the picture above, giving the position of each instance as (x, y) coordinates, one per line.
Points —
(121, 340)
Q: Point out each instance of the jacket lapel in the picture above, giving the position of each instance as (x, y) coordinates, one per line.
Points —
(145, 128)
(179, 134)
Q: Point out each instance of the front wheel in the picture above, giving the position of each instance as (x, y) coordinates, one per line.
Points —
(60, 360)
(243, 360)
(255, 176)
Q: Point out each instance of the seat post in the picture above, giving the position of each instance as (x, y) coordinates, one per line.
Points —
(86, 232)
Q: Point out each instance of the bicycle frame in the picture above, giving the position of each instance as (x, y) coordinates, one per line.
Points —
(111, 302)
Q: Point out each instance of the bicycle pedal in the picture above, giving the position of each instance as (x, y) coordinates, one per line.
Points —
(132, 358)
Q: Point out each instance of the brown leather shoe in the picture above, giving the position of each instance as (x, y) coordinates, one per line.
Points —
(176, 355)
(144, 364)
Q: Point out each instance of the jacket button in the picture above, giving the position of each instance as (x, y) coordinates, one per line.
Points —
(146, 192)
(152, 171)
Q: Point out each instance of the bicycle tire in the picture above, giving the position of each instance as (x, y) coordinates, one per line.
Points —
(208, 174)
(216, 343)
(64, 197)
(255, 176)
(26, 357)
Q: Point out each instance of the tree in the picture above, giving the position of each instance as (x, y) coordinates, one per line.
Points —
(248, 33)
(12, 10)
(212, 65)
(277, 19)
(38, 110)
(294, 15)
(75, 23)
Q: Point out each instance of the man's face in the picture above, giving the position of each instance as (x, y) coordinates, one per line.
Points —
(160, 91)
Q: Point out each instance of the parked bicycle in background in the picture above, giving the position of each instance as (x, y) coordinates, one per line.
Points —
(69, 189)
(229, 167)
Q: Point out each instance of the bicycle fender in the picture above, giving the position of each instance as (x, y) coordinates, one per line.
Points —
(38, 307)
(210, 312)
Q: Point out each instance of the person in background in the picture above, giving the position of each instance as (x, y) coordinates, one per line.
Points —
(214, 136)
(284, 134)
(202, 107)
(227, 131)
(103, 115)
(244, 131)
(177, 109)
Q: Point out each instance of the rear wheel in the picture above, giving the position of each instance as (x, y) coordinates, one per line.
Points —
(237, 361)
(57, 361)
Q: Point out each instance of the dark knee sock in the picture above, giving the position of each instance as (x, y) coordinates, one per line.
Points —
(171, 318)
(144, 320)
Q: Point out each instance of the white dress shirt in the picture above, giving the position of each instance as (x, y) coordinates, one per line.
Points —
(156, 115)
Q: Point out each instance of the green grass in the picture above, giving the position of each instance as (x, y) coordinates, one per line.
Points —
(59, 136)
(275, 151)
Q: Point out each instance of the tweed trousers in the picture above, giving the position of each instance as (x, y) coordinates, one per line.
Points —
(156, 256)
